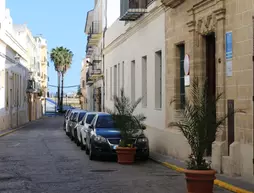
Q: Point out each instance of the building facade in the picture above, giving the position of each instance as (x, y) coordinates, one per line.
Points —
(83, 97)
(20, 71)
(134, 57)
(42, 59)
(217, 35)
(105, 12)
(13, 75)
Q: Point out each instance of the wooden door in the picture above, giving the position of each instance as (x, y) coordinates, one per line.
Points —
(211, 74)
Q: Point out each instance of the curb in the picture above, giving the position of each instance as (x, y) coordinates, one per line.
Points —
(12, 131)
(20, 127)
(216, 182)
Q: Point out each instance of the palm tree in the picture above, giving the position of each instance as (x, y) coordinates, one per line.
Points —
(68, 55)
(57, 58)
(62, 58)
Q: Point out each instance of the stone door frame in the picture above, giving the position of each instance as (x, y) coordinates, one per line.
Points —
(206, 17)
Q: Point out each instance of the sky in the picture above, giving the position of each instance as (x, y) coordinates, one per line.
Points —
(62, 23)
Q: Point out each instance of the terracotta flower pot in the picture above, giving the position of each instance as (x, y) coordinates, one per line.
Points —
(200, 181)
(125, 155)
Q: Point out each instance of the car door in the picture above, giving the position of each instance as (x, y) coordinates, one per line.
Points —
(90, 131)
(87, 121)
(80, 125)
(71, 121)
(68, 122)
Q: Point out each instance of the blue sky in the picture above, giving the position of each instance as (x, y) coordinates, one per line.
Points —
(61, 23)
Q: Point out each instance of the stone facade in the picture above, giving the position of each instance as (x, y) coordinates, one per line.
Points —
(188, 24)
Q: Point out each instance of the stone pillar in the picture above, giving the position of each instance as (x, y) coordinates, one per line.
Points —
(219, 147)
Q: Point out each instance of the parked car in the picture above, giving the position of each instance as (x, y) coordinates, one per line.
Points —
(75, 122)
(66, 119)
(102, 138)
(65, 108)
(66, 116)
(71, 121)
(82, 128)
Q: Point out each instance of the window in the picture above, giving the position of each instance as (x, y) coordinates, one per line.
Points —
(105, 121)
(118, 80)
(111, 92)
(83, 84)
(144, 81)
(158, 80)
(123, 75)
(115, 80)
(133, 81)
(181, 53)
(81, 115)
(90, 118)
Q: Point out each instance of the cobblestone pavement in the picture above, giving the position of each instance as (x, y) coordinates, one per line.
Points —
(42, 159)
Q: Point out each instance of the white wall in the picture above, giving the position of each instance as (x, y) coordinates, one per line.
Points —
(113, 11)
(148, 39)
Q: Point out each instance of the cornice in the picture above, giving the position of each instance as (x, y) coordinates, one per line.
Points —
(15, 41)
(132, 30)
(172, 3)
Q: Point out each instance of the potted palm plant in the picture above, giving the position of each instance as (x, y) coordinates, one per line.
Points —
(129, 125)
(199, 125)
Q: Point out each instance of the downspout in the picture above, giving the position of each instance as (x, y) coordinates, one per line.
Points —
(103, 46)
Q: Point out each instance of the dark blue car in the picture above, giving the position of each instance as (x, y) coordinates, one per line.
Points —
(103, 138)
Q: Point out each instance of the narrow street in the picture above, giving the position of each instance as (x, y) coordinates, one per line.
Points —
(41, 158)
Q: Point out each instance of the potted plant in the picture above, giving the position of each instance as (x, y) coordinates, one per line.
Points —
(199, 125)
(128, 124)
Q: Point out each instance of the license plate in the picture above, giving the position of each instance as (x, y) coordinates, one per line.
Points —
(115, 146)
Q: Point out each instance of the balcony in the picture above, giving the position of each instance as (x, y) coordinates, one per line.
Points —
(89, 51)
(131, 10)
(30, 86)
(96, 59)
(95, 33)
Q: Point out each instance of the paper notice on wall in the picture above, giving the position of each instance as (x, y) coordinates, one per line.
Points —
(229, 68)
(187, 80)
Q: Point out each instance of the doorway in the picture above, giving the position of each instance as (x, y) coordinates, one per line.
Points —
(11, 107)
(211, 74)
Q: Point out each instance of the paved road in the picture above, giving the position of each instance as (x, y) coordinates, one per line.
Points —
(41, 159)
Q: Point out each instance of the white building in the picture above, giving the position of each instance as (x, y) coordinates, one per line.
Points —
(134, 57)
(33, 51)
(105, 12)
(13, 74)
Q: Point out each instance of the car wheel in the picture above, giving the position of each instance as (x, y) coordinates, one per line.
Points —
(87, 150)
(91, 154)
(82, 146)
(76, 138)
(71, 136)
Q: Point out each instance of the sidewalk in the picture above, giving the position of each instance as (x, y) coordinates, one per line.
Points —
(235, 181)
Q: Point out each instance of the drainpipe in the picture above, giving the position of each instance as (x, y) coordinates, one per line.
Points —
(103, 46)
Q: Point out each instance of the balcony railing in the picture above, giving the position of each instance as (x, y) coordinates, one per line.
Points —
(96, 28)
(131, 10)
(89, 51)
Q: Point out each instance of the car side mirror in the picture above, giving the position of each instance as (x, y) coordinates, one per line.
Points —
(90, 126)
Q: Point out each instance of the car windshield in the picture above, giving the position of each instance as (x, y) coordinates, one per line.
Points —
(81, 115)
(90, 118)
(105, 121)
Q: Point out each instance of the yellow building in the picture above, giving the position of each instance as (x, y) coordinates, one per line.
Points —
(43, 68)
(218, 37)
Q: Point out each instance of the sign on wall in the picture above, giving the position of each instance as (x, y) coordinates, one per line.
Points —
(187, 70)
(229, 53)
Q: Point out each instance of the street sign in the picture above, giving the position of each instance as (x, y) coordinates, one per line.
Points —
(187, 70)
(229, 46)
(229, 53)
